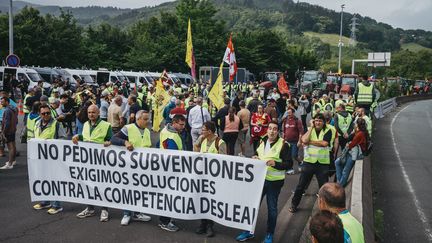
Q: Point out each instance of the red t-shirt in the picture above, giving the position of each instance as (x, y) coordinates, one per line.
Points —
(292, 129)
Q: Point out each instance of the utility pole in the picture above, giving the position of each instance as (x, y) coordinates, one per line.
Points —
(340, 41)
(11, 47)
(354, 24)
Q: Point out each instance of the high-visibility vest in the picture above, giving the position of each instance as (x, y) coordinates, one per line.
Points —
(352, 227)
(48, 133)
(31, 126)
(329, 107)
(315, 108)
(349, 108)
(365, 94)
(368, 124)
(313, 154)
(99, 132)
(137, 139)
(140, 99)
(338, 102)
(178, 90)
(248, 100)
(273, 154)
(165, 134)
(26, 109)
(344, 123)
(54, 113)
(333, 131)
(212, 149)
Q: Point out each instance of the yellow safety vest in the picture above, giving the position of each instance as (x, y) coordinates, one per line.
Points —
(333, 131)
(315, 108)
(344, 123)
(212, 149)
(329, 107)
(165, 134)
(352, 227)
(365, 94)
(338, 102)
(273, 154)
(99, 132)
(48, 133)
(313, 154)
(31, 127)
(349, 108)
(137, 139)
(26, 109)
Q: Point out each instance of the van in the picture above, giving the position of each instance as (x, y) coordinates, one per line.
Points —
(48, 74)
(28, 75)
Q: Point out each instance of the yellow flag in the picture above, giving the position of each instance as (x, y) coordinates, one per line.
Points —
(189, 47)
(216, 92)
(162, 98)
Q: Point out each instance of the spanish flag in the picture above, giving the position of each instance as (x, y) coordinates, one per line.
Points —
(216, 92)
(190, 57)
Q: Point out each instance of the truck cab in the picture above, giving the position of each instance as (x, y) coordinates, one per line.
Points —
(348, 84)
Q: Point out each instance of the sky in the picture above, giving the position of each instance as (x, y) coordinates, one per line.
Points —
(406, 14)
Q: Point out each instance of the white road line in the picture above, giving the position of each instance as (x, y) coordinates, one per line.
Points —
(420, 212)
(430, 118)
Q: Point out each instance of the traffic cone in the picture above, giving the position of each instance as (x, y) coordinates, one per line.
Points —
(20, 107)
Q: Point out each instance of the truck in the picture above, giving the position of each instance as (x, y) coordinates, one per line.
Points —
(348, 84)
(311, 82)
(209, 73)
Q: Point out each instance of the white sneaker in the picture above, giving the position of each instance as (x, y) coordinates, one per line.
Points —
(7, 166)
(141, 217)
(14, 163)
(104, 217)
(125, 220)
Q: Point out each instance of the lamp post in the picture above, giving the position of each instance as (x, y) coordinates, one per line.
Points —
(340, 44)
(11, 48)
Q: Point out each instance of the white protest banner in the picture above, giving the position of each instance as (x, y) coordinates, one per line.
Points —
(177, 184)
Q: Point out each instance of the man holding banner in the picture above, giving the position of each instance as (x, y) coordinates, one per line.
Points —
(277, 154)
(48, 128)
(170, 139)
(135, 135)
(98, 131)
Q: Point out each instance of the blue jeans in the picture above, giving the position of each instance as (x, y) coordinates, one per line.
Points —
(343, 170)
(54, 204)
(271, 190)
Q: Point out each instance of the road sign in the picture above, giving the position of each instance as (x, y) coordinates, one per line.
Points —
(13, 60)
(379, 59)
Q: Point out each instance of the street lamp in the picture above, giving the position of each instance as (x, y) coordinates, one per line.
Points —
(11, 49)
(340, 44)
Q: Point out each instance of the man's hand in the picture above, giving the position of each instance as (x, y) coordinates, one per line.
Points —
(129, 146)
(311, 123)
(75, 139)
(345, 135)
(107, 143)
(270, 163)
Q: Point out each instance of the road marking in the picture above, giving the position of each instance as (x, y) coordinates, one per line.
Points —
(430, 118)
(420, 211)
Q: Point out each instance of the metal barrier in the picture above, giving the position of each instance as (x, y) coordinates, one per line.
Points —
(385, 107)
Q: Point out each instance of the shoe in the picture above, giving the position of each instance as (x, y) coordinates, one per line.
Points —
(14, 163)
(53, 210)
(7, 166)
(268, 238)
(293, 209)
(104, 217)
(86, 213)
(244, 236)
(125, 220)
(40, 206)
(141, 217)
(290, 172)
(210, 232)
(202, 229)
(169, 227)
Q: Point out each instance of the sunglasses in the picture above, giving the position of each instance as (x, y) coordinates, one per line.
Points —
(45, 113)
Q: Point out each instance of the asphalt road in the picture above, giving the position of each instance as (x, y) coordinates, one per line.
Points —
(19, 222)
(402, 174)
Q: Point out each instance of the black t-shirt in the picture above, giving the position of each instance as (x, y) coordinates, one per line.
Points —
(134, 108)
